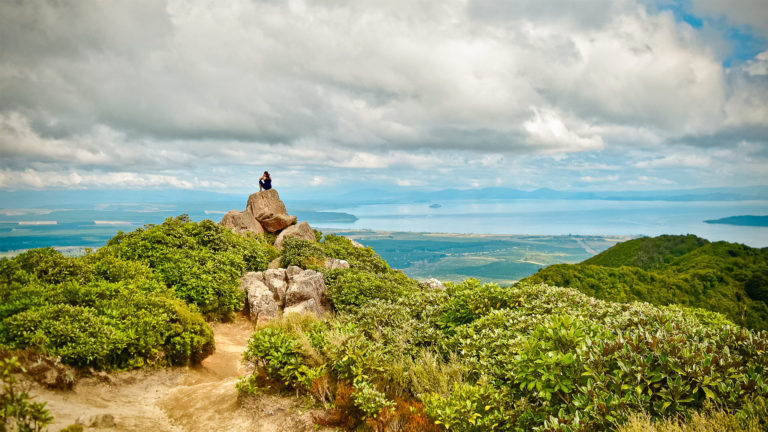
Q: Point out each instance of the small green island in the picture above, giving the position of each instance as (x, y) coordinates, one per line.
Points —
(744, 220)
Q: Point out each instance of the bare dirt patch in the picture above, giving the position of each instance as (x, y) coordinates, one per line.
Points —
(196, 399)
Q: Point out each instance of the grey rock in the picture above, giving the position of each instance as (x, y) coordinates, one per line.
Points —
(302, 231)
(293, 271)
(269, 210)
(308, 306)
(262, 304)
(241, 222)
(275, 263)
(290, 290)
(434, 284)
(277, 282)
(335, 264)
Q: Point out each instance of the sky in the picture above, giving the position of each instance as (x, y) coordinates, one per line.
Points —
(338, 95)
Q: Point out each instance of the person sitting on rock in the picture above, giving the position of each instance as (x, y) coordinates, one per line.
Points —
(265, 182)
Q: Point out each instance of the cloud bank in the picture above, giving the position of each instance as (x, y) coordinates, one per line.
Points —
(205, 94)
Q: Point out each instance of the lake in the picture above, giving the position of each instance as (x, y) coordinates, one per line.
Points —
(563, 217)
(93, 225)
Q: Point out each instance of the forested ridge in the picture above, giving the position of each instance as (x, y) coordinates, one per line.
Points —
(729, 278)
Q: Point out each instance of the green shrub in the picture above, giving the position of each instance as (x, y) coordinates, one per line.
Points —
(349, 289)
(112, 326)
(363, 259)
(202, 262)
(111, 313)
(300, 252)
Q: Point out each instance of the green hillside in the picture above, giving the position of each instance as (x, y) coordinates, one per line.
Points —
(724, 277)
(400, 355)
(476, 357)
(141, 300)
(647, 253)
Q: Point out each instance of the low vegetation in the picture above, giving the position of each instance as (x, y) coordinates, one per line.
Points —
(139, 301)
(724, 277)
(478, 357)
(399, 355)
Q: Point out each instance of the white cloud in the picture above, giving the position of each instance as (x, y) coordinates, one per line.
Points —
(548, 133)
(338, 90)
(30, 178)
(676, 160)
(604, 179)
(651, 181)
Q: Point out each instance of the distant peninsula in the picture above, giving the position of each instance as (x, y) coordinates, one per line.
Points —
(745, 220)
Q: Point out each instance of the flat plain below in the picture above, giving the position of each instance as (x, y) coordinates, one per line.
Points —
(502, 259)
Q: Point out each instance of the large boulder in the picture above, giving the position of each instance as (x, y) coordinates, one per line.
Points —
(241, 222)
(262, 304)
(306, 292)
(301, 230)
(269, 210)
(292, 290)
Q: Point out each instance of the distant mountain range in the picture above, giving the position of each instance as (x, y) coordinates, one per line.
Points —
(703, 194)
(326, 198)
(745, 220)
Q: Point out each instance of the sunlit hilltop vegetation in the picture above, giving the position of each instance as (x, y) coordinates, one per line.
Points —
(402, 355)
(729, 278)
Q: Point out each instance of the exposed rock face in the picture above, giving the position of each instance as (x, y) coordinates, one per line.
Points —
(306, 293)
(334, 264)
(269, 210)
(264, 211)
(241, 222)
(356, 244)
(290, 290)
(434, 284)
(301, 230)
(262, 302)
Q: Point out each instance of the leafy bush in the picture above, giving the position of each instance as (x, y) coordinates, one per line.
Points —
(351, 288)
(107, 325)
(98, 311)
(300, 252)
(202, 262)
(363, 259)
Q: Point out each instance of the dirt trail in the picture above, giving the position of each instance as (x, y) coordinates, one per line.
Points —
(177, 399)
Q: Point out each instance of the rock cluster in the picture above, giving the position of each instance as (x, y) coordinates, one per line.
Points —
(264, 212)
(273, 292)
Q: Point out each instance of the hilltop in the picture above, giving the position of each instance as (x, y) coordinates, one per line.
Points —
(390, 352)
(729, 278)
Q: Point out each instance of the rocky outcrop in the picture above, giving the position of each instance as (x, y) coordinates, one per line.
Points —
(241, 222)
(335, 264)
(264, 212)
(281, 291)
(301, 230)
(434, 284)
(269, 210)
